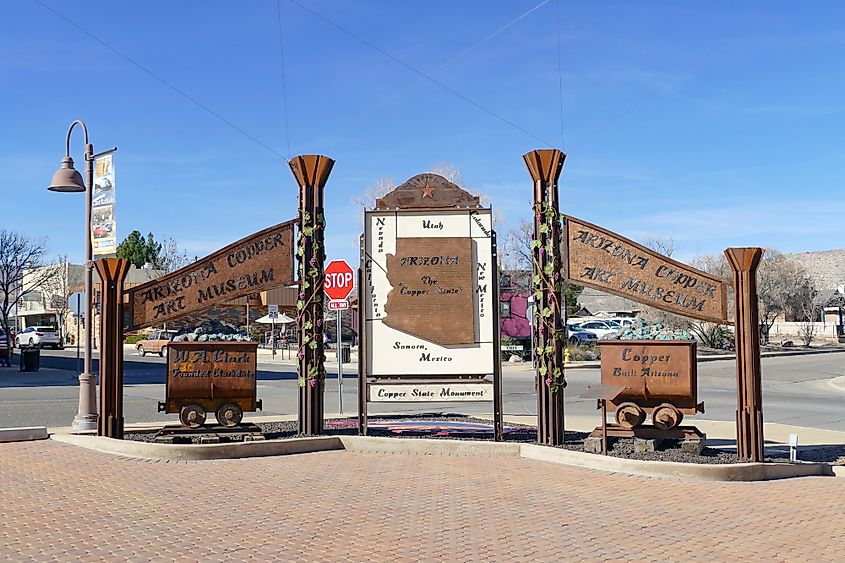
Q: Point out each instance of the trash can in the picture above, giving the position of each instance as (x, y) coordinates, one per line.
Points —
(345, 354)
(30, 358)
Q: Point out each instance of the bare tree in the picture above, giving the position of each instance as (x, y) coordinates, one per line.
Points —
(517, 251)
(56, 290)
(171, 257)
(664, 245)
(784, 288)
(807, 326)
(448, 171)
(379, 188)
(22, 270)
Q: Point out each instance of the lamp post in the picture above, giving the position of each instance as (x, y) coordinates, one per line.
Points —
(67, 179)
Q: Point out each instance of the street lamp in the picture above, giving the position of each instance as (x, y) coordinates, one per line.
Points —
(67, 179)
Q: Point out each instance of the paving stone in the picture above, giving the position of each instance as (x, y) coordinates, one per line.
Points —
(67, 503)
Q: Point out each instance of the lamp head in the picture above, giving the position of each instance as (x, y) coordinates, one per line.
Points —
(66, 178)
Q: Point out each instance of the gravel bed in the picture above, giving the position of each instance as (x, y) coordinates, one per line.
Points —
(623, 448)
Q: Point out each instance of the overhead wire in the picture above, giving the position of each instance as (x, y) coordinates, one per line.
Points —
(559, 74)
(688, 67)
(162, 80)
(284, 80)
(419, 72)
(384, 101)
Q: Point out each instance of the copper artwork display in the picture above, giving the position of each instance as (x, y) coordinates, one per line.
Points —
(432, 295)
(605, 261)
(548, 330)
(256, 263)
(216, 377)
(112, 272)
(749, 382)
(428, 318)
(659, 377)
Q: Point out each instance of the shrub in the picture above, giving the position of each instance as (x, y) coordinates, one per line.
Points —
(134, 338)
(578, 353)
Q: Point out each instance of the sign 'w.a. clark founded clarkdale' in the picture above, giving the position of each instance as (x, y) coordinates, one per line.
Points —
(256, 263)
(605, 261)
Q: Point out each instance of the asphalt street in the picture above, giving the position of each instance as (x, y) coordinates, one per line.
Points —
(796, 391)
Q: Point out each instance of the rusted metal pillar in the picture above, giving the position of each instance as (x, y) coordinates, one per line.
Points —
(112, 273)
(311, 172)
(749, 413)
(547, 288)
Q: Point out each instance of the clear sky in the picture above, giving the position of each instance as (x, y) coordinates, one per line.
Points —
(714, 123)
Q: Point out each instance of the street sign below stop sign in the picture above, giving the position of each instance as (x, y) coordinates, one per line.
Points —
(339, 280)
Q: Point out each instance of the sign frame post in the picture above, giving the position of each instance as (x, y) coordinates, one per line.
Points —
(311, 173)
(273, 313)
(749, 414)
(112, 272)
(545, 167)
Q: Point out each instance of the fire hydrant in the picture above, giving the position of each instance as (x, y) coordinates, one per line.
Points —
(566, 355)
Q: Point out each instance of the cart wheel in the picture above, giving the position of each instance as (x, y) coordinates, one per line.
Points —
(666, 416)
(629, 415)
(229, 414)
(192, 416)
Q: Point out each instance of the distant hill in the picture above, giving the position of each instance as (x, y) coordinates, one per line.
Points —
(826, 267)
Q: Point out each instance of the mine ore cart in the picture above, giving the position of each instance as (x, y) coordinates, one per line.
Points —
(659, 377)
(211, 376)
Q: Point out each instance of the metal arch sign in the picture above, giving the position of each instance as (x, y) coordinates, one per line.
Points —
(603, 260)
(256, 263)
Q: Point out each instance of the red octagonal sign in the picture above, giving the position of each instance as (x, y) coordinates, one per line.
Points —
(339, 280)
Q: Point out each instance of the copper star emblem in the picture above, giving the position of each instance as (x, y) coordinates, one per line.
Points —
(426, 192)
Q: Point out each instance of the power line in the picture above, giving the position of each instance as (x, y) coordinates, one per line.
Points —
(420, 73)
(390, 98)
(284, 81)
(662, 85)
(162, 80)
(559, 72)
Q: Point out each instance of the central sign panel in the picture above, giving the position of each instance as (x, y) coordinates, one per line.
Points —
(428, 291)
(256, 263)
(605, 261)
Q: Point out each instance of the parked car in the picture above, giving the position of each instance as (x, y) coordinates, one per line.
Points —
(578, 335)
(602, 329)
(39, 336)
(155, 343)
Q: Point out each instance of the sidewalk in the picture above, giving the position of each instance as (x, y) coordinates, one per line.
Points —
(357, 506)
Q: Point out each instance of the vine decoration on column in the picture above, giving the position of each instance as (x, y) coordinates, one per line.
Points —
(548, 283)
(311, 280)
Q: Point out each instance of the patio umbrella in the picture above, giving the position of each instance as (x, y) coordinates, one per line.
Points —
(282, 319)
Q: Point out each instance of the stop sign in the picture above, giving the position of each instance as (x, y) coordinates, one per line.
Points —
(339, 280)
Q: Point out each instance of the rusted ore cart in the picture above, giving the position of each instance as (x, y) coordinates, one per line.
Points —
(215, 376)
(659, 377)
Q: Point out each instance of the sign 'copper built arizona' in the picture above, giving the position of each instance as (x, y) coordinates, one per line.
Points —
(605, 261)
(650, 368)
(253, 264)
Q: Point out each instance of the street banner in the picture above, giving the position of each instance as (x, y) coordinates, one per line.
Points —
(103, 225)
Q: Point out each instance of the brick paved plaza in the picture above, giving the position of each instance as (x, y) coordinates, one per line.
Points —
(61, 502)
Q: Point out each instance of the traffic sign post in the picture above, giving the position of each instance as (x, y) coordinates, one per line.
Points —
(273, 313)
(338, 282)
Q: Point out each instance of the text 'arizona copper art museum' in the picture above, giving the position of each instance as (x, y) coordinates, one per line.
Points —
(429, 317)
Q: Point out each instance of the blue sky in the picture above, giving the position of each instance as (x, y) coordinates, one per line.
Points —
(716, 124)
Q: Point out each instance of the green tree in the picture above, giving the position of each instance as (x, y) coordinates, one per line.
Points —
(139, 250)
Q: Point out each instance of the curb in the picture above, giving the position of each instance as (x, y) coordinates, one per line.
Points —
(201, 452)
(431, 447)
(699, 471)
(23, 434)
